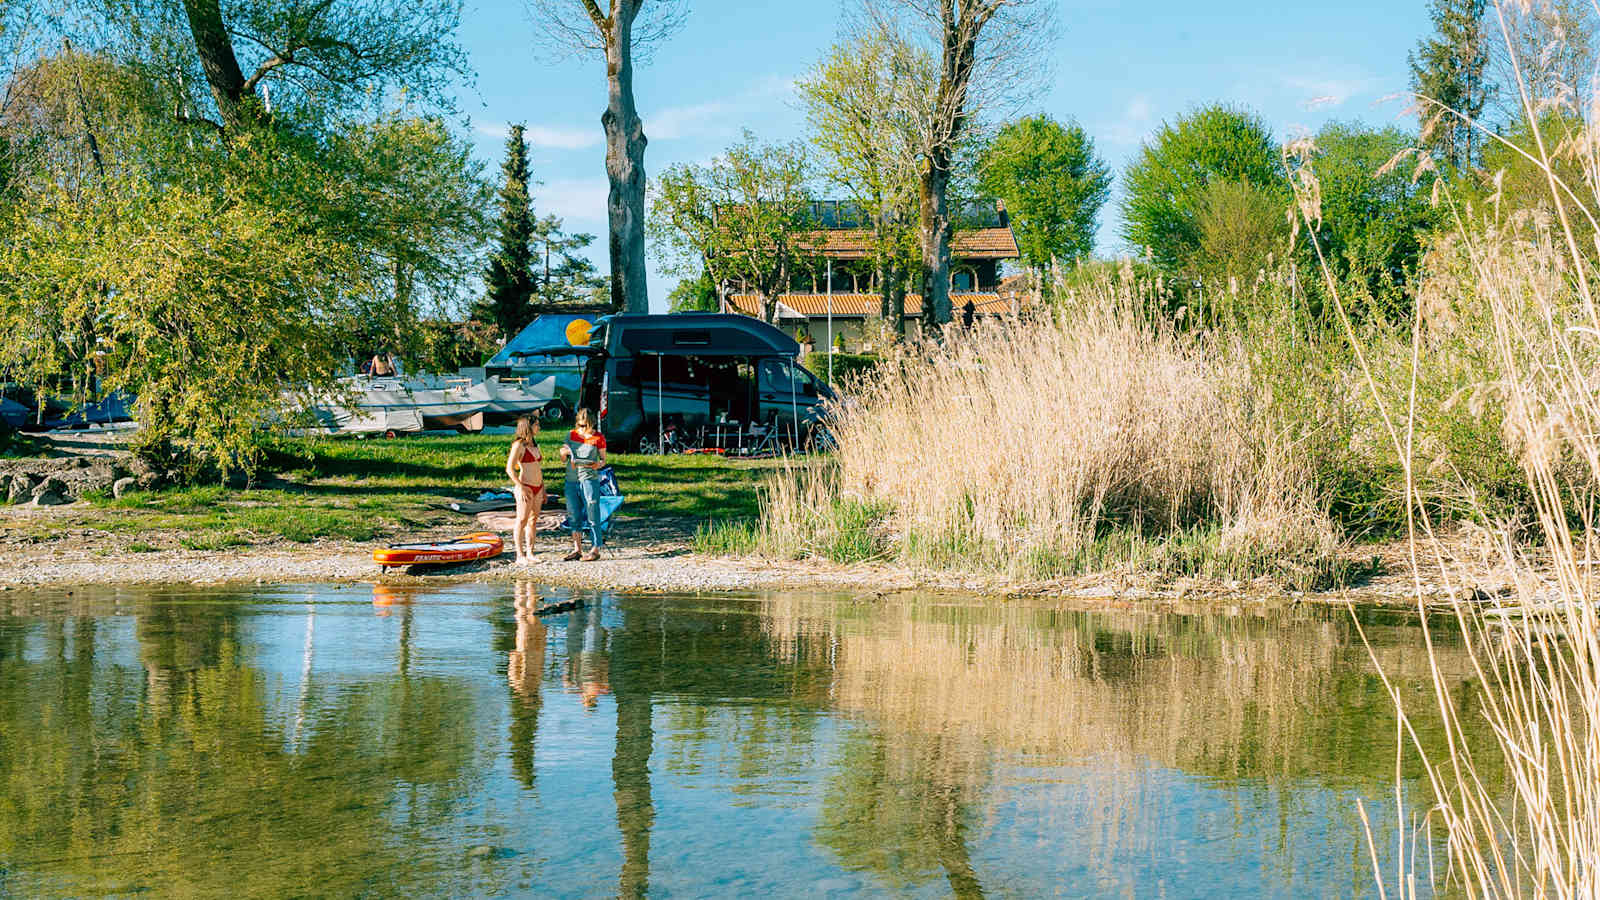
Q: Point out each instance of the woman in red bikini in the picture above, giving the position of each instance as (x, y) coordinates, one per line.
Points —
(524, 466)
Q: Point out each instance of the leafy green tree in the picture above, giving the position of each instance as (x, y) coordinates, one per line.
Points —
(1053, 185)
(746, 218)
(231, 234)
(509, 278)
(698, 294)
(1375, 217)
(861, 104)
(1449, 76)
(1243, 229)
(1163, 188)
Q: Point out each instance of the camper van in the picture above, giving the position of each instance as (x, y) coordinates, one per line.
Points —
(714, 376)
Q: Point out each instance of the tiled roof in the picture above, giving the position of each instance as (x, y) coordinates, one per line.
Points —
(980, 243)
(859, 306)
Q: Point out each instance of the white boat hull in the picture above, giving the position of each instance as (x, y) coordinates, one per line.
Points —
(402, 404)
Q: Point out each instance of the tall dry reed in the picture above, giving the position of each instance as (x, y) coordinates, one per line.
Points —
(1096, 437)
(1534, 829)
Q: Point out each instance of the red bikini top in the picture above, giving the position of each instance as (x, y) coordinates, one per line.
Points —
(528, 454)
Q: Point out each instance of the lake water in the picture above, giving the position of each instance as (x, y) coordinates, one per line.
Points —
(371, 741)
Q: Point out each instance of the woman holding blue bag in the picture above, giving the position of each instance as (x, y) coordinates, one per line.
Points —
(585, 455)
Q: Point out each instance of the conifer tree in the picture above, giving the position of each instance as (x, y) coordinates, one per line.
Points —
(509, 278)
(1448, 71)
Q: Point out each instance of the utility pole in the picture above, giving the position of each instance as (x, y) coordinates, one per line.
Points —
(830, 322)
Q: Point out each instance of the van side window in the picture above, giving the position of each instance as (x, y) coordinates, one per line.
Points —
(777, 378)
(691, 339)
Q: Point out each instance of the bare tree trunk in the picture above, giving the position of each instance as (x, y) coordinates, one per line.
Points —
(935, 239)
(625, 143)
(217, 58)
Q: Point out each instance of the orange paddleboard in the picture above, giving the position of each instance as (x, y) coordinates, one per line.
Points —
(468, 547)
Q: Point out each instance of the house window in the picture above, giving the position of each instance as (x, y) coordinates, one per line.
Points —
(962, 280)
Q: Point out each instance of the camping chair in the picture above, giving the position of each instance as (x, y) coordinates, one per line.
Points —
(765, 437)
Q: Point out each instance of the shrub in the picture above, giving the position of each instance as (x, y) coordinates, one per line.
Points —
(846, 366)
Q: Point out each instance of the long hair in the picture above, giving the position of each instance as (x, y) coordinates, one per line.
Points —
(526, 429)
(585, 419)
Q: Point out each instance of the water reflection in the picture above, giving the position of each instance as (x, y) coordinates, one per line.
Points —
(453, 741)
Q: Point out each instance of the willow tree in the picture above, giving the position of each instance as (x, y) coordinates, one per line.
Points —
(238, 236)
(990, 53)
(620, 32)
(863, 103)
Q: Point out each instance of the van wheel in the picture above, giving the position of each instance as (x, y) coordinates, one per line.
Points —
(554, 412)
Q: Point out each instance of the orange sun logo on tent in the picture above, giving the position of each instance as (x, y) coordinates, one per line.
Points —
(578, 331)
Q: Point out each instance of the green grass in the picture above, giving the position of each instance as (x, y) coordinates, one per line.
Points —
(365, 489)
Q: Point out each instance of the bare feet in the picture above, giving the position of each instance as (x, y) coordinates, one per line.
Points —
(591, 556)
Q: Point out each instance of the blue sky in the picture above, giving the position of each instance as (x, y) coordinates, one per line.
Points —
(1119, 69)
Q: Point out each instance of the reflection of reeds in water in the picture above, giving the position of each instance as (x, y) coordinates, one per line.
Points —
(1224, 696)
(1282, 711)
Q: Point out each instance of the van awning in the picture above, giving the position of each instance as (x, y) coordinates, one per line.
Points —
(709, 339)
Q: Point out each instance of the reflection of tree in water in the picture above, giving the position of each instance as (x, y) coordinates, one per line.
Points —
(903, 808)
(177, 779)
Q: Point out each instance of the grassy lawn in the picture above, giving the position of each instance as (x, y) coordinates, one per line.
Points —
(359, 490)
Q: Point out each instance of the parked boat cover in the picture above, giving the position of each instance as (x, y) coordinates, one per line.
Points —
(544, 331)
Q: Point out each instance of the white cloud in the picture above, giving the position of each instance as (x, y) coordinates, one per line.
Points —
(580, 202)
(1133, 125)
(699, 119)
(555, 137)
(559, 137)
(719, 118)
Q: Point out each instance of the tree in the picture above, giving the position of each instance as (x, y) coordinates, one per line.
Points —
(227, 239)
(987, 52)
(1551, 45)
(566, 278)
(1163, 188)
(1242, 228)
(509, 279)
(616, 32)
(1053, 185)
(697, 294)
(235, 64)
(864, 103)
(746, 218)
(1448, 73)
(1375, 215)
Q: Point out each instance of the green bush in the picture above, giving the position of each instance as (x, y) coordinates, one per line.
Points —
(846, 366)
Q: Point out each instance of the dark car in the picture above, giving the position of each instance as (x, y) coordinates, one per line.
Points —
(713, 376)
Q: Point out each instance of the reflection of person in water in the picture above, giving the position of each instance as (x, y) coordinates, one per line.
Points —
(525, 673)
(525, 664)
(588, 656)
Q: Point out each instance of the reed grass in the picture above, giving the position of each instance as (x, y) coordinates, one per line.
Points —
(1521, 816)
(1097, 438)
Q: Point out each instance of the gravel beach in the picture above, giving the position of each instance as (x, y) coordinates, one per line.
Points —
(650, 556)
